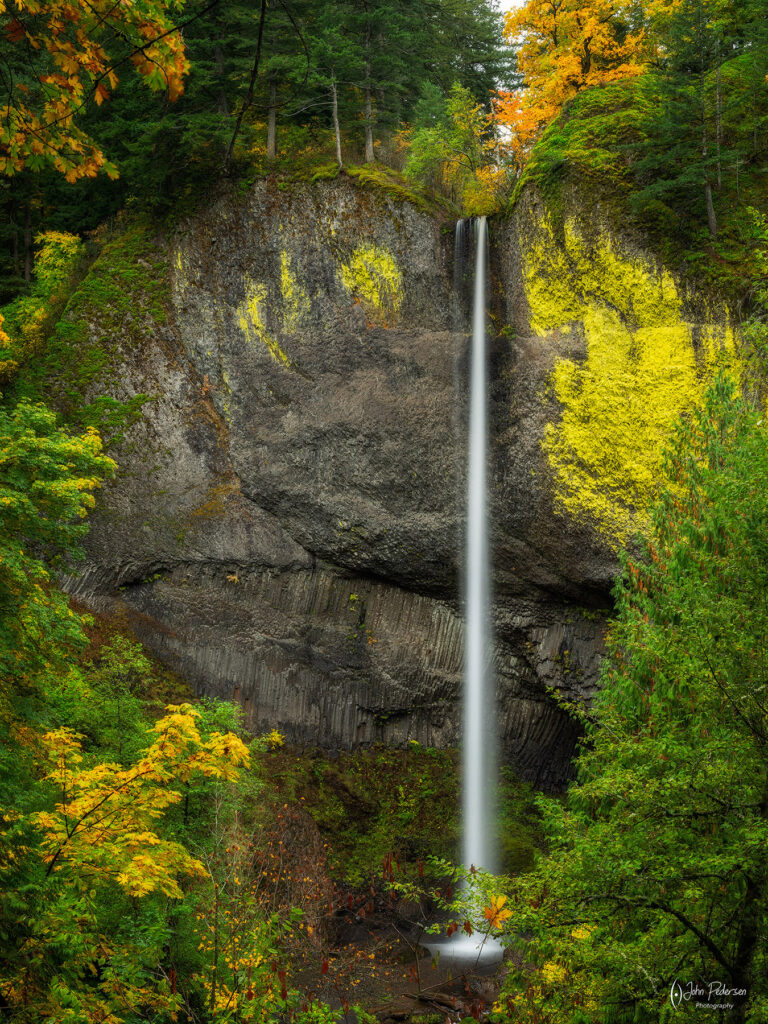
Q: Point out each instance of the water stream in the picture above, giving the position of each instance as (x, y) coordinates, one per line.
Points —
(478, 746)
(479, 775)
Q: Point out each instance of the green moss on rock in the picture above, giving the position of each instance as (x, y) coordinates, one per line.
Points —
(381, 179)
(120, 303)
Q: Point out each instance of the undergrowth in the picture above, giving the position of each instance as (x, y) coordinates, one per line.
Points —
(379, 802)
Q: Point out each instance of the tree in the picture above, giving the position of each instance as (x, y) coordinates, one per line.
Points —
(47, 480)
(101, 700)
(335, 64)
(657, 868)
(235, 935)
(453, 147)
(397, 48)
(462, 41)
(62, 54)
(30, 318)
(287, 62)
(707, 117)
(78, 952)
(563, 47)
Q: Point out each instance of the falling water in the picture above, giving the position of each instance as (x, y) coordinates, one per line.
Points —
(479, 768)
(478, 740)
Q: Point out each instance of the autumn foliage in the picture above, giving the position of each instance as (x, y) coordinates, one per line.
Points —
(104, 818)
(64, 53)
(563, 47)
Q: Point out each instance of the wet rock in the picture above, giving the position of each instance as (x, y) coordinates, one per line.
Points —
(286, 528)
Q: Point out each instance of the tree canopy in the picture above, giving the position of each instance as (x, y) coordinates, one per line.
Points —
(657, 868)
(62, 53)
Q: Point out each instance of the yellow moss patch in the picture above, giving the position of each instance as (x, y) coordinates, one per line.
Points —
(641, 372)
(296, 306)
(373, 277)
(215, 501)
(250, 316)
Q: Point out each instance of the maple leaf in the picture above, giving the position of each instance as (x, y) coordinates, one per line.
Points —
(67, 33)
(15, 31)
(495, 913)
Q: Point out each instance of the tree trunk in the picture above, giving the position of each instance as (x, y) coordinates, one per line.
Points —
(15, 240)
(368, 109)
(719, 125)
(711, 216)
(272, 122)
(754, 124)
(496, 138)
(753, 907)
(28, 242)
(227, 162)
(586, 58)
(369, 155)
(335, 109)
(222, 107)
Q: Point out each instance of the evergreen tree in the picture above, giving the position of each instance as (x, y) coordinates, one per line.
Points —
(658, 868)
(684, 158)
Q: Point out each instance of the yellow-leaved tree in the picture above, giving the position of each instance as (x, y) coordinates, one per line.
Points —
(564, 46)
(93, 950)
(60, 54)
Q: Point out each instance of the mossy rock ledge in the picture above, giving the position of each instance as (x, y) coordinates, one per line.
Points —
(286, 525)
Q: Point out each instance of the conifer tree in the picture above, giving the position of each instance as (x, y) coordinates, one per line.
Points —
(657, 870)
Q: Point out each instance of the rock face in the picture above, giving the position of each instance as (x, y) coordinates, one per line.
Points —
(286, 527)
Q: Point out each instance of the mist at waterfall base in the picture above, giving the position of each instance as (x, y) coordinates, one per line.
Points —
(479, 774)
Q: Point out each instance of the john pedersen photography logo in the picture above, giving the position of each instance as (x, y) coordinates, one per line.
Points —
(711, 995)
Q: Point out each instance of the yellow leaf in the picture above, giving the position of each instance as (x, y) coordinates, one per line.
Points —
(494, 913)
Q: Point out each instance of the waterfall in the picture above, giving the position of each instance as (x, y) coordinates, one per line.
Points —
(479, 774)
(479, 726)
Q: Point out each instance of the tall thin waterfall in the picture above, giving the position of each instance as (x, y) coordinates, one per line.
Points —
(479, 733)
(479, 741)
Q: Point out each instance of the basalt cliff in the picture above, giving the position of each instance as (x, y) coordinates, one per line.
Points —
(286, 525)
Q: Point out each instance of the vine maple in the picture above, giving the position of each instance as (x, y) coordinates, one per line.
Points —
(564, 46)
(98, 866)
(61, 54)
(103, 820)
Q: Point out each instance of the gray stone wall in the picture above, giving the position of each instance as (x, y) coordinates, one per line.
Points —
(286, 527)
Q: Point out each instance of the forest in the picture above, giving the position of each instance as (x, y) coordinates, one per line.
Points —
(159, 859)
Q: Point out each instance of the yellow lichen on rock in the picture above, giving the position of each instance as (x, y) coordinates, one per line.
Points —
(373, 277)
(250, 316)
(640, 373)
(181, 271)
(296, 307)
(565, 278)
